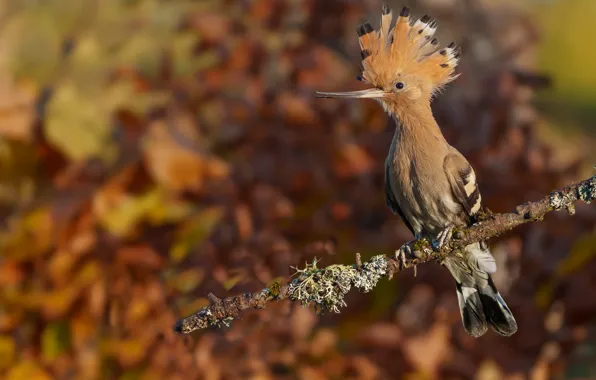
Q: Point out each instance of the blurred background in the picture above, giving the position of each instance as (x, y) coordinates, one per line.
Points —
(154, 151)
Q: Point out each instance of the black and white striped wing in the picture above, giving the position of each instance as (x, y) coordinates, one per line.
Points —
(464, 188)
(463, 184)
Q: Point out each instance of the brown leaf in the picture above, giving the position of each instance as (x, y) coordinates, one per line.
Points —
(428, 351)
(323, 343)
(340, 211)
(17, 108)
(140, 256)
(10, 273)
(212, 27)
(297, 109)
(352, 160)
(244, 222)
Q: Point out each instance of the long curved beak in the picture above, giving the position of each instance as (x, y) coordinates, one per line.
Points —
(369, 93)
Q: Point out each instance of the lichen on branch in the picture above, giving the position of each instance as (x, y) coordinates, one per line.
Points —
(325, 288)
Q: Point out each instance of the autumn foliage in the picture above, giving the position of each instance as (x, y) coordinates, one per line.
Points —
(154, 151)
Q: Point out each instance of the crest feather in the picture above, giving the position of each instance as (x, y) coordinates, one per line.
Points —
(409, 48)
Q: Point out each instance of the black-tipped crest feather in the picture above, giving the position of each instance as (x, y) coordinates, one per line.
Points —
(385, 9)
(407, 48)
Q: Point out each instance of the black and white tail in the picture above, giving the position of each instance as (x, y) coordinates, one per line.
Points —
(483, 306)
(480, 303)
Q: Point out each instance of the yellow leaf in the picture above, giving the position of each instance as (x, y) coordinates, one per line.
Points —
(7, 351)
(128, 352)
(155, 206)
(169, 210)
(27, 369)
(79, 125)
(58, 302)
(143, 103)
(122, 95)
(121, 219)
(137, 310)
(141, 52)
(89, 66)
(60, 265)
(489, 370)
(182, 54)
(33, 45)
(88, 275)
(30, 236)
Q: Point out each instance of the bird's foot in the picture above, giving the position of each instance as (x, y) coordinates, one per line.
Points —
(443, 237)
(400, 255)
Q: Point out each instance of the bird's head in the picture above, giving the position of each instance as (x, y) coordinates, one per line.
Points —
(404, 63)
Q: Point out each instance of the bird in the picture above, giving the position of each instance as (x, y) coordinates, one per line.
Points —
(428, 182)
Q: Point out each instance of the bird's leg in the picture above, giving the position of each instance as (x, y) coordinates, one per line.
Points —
(400, 255)
(443, 237)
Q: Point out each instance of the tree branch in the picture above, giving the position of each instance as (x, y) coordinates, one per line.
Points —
(326, 287)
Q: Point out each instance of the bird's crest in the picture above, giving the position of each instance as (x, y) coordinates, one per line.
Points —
(409, 48)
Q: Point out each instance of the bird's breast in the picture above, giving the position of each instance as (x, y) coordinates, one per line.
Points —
(424, 195)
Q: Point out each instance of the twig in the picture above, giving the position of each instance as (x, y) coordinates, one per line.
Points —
(326, 287)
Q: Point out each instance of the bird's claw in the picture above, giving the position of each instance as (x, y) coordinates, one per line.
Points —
(443, 238)
(400, 255)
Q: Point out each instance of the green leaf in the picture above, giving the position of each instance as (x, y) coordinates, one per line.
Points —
(134, 374)
(234, 280)
(194, 232)
(55, 340)
(582, 252)
(188, 280)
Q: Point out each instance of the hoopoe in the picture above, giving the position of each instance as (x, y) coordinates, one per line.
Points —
(428, 183)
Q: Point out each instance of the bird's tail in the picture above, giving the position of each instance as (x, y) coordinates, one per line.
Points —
(483, 306)
(480, 303)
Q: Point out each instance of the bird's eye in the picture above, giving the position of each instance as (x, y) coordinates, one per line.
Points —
(399, 85)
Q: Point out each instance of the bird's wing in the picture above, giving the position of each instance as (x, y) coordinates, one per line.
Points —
(465, 190)
(462, 180)
(392, 202)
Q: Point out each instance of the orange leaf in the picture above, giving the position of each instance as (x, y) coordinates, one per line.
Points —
(174, 166)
